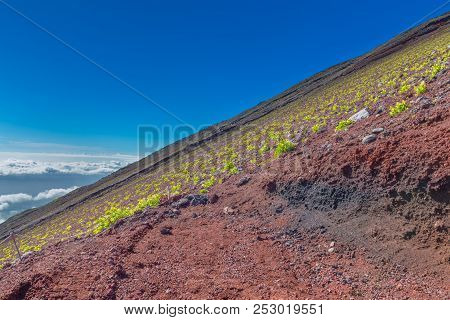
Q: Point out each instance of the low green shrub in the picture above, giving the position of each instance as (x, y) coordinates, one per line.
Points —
(175, 189)
(151, 201)
(421, 88)
(283, 146)
(264, 148)
(111, 216)
(230, 167)
(404, 88)
(209, 183)
(435, 69)
(114, 213)
(315, 128)
(398, 108)
(343, 125)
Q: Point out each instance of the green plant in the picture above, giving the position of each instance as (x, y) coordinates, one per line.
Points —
(275, 136)
(435, 69)
(152, 201)
(404, 88)
(251, 147)
(195, 180)
(283, 146)
(398, 108)
(315, 128)
(343, 125)
(421, 88)
(264, 148)
(209, 183)
(115, 213)
(230, 167)
(175, 189)
(111, 216)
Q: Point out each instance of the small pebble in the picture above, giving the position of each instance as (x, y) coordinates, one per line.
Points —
(166, 231)
(368, 139)
(377, 130)
(243, 181)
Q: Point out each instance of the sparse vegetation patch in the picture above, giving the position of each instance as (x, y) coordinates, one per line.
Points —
(398, 108)
(283, 147)
(421, 88)
(344, 125)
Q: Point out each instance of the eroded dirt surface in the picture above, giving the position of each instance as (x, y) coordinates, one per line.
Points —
(334, 219)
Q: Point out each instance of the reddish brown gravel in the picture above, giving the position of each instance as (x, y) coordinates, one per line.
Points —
(335, 219)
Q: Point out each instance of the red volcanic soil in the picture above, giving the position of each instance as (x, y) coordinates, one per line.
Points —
(335, 219)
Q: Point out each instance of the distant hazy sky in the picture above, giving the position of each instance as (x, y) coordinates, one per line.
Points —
(203, 60)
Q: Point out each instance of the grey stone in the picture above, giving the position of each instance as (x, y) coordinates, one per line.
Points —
(327, 146)
(409, 234)
(166, 231)
(377, 130)
(190, 200)
(183, 202)
(243, 180)
(362, 114)
(423, 103)
(172, 213)
(197, 199)
(279, 208)
(368, 139)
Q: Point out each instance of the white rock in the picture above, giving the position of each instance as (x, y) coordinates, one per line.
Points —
(377, 130)
(362, 114)
(26, 254)
(228, 210)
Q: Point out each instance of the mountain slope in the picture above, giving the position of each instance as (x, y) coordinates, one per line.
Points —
(315, 198)
(302, 228)
(295, 93)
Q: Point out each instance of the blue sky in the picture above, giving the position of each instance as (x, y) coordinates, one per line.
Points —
(203, 60)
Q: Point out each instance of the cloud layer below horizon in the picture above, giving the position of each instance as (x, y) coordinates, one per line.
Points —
(24, 200)
(29, 180)
(23, 167)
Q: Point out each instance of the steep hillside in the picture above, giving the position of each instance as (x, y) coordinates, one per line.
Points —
(289, 199)
(297, 95)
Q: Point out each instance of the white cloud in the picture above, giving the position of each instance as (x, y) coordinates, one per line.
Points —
(15, 198)
(2, 220)
(8, 199)
(53, 193)
(24, 167)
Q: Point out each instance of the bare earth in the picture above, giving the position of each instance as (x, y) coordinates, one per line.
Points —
(335, 219)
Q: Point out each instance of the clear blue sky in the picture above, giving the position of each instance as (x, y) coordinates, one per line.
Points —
(204, 60)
